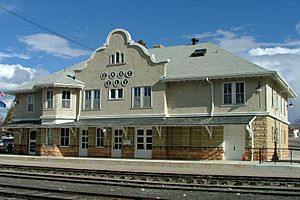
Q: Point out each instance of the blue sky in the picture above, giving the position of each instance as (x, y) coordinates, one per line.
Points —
(264, 32)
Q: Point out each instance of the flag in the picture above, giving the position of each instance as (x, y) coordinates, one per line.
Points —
(2, 104)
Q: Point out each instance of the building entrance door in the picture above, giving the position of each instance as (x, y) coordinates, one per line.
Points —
(84, 143)
(32, 142)
(234, 138)
(116, 143)
(143, 143)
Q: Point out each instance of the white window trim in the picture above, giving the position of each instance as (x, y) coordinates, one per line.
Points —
(63, 99)
(142, 97)
(92, 99)
(233, 93)
(69, 138)
(96, 138)
(117, 94)
(47, 143)
(30, 111)
(46, 100)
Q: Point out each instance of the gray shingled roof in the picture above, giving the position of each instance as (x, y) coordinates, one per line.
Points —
(58, 78)
(216, 63)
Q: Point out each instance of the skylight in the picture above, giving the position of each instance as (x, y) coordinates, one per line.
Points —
(198, 53)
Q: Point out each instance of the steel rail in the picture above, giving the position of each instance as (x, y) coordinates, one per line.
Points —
(286, 191)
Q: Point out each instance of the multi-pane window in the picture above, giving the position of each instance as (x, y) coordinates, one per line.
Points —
(66, 99)
(64, 137)
(234, 93)
(96, 103)
(99, 137)
(227, 93)
(239, 92)
(49, 100)
(116, 93)
(49, 136)
(141, 97)
(92, 100)
(30, 103)
(144, 139)
(88, 100)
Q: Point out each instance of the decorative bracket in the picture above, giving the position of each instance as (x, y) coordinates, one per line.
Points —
(125, 131)
(73, 131)
(209, 130)
(158, 130)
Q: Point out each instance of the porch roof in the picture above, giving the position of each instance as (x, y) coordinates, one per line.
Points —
(160, 121)
(141, 121)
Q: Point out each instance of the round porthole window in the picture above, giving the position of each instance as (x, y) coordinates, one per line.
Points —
(121, 73)
(129, 73)
(107, 83)
(116, 82)
(112, 75)
(124, 82)
(103, 75)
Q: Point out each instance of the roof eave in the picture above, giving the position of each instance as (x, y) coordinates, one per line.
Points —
(285, 85)
(174, 79)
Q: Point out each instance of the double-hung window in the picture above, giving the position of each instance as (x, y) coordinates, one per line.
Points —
(142, 97)
(100, 137)
(49, 136)
(66, 99)
(64, 137)
(116, 93)
(49, 100)
(30, 103)
(233, 93)
(88, 100)
(92, 100)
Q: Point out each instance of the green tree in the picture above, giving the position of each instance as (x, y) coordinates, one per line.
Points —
(10, 115)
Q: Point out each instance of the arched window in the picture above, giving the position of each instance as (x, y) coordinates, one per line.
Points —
(113, 59)
(117, 57)
(122, 57)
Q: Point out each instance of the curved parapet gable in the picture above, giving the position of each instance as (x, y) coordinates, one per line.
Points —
(129, 42)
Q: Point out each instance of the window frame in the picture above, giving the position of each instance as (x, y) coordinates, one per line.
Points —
(233, 93)
(49, 136)
(62, 99)
(116, 94)
(65, 138)
(92, 99)
(101, 138)
(30, 103)
(142, 95)
(46, 100)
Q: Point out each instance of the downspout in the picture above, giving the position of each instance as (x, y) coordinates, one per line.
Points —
(79, 106)
(212, 97)
(251, 134)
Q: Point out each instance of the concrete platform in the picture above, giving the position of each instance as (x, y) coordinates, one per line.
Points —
(243, 168)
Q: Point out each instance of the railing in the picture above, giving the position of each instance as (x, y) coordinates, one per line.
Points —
(287, 155)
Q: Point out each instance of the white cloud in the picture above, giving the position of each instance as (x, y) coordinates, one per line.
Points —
(298, 27)
(13, 75)
(13, 55)
(52, 44)
(272, 51)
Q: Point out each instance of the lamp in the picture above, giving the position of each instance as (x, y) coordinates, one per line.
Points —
(290, 105)
(258, 88)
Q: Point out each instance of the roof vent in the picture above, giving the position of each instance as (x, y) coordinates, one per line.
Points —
(158, 46)
(198, 53)
(194, 41)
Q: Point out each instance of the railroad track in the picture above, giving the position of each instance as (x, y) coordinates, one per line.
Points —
(165, 181)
